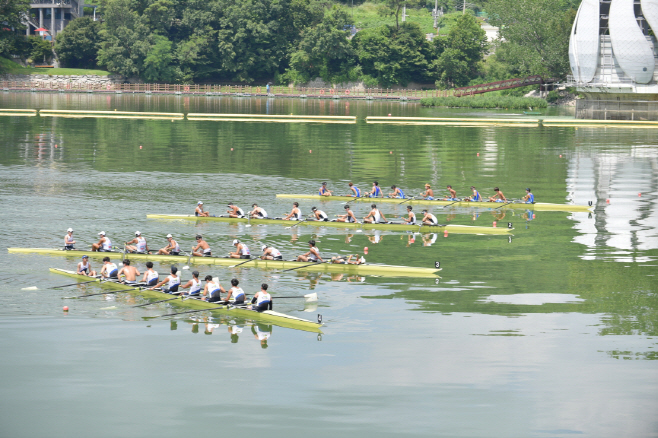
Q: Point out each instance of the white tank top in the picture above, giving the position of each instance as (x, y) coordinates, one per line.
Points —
(176, 247)
(275, 252)
(322, 214)
(173, 280)
(432, 218)
(150, 275)
(298, 215)
(263, 213)
(107, 244)
(68, 239)
(141, 244)
(377, 216)
(212, 287)
(263, 298)
(111, 267)
(244, 250)
(412, 216)
(312, 255)
(240, 212)
(237, 292)
(83, 267)
(196, 286)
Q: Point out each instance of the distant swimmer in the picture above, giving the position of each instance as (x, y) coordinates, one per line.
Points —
(236, 293)
(452, 194)
(396, 193)
(411, 219)
(475, 197)
(428, 194)
(319, 214)
(324, 191)
(202, 249)
(212, 290)
(199, 210)
(150, 276)
(172, 247)
(498, 196)
(352, 259)
(241, 251)
(193, 284)
(375, 216)
(109, 269)
(529, 198)
(270, 253)
(234, 211)
(258, 212)
(69, 242)
(376, 191)
(262, 300)
(84, 268)
(104, 244)
(348, 216)
(313, 254)
(140, 246)
(172, 280)
(129, 272)
(429, 218)
(295, 214)
(355, 192)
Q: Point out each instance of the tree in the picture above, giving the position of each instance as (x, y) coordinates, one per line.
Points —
(11, 12)
(394, 7)
(40, 49)
(77, 45)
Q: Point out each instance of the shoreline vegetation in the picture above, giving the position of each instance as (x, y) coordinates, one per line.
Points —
(491, 102)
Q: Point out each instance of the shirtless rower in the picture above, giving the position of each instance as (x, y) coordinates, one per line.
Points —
(452, 194)
(262, 300)
(140, 246)
(319, 214)
(173, 281)
(103, 245)
(355, 192)
(193, 284)
(324, 191)
(270, 253)
(241, 251)
(258, 212)
(376, 191)
(358, 260)
(428, 194)
(68, 240)
(295, 214)
(199, 210)
(212, 290)
(348, 216)
(429, 218)
(529, 198)
(84, 268)
(313, 254)
(130, 272)
(475, 197)
(498, 196)
(396, 193)
(234, 211)
(172, 247)
(375, 216)
(411, 220)
(151, 276)
(202, 249)
(236, 293)
(109, 269)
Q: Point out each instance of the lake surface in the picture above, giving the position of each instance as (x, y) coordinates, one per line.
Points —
(551, 333)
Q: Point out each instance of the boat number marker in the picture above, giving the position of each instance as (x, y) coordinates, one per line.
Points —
(437, 265)
(319, 319)
(509, 225)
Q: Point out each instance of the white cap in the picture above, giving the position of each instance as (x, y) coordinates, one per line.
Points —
(70, 230)
(236, 241)
(169, 235)
(102, 233)
(263, 247)
(199, 203)
(137, 233)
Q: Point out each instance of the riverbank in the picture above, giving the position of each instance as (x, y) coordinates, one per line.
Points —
(490, 102)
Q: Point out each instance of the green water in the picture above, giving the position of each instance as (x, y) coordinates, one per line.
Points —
(549, 334)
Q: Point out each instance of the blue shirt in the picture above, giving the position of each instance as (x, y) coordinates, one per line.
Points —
(476, 196)
(531, 199)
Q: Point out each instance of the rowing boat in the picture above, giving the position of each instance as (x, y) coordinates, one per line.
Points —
(454, 229)
(365, 269)
(537, 206)
(280, 319)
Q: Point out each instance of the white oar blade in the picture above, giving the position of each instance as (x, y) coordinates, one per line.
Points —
(310, 307)
(311, 297)
(215, 280)
(30, 288)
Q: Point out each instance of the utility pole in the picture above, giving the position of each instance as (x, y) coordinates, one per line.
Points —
(404, 13)
(435, 13)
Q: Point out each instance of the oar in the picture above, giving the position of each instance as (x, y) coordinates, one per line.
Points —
(72, 284)
(307, 297)
(240, 264)
(507, 203)
(102, 293)
(451, 203)
(188, 260)
(295, 224)
(190, 311)
(304, 266)
(161, 301)
(407, 200)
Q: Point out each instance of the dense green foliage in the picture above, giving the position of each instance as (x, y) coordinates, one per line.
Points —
(486, 101)
(77, 44)
(41, 50)
(10, 20)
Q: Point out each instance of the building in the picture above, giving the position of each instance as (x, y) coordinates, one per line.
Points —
(53, 15)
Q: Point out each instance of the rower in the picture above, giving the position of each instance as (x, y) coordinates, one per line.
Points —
(151, 277)
(236, 293)
(262, 299)
(262, 332)
(428, 194)
(212, 291)
(140, 246)
(234, 211)
(313, 254)
(498, 196)
(358, 260)
(270, 253)
(241, 251)
(295, 214)
(411, 220)
(319, 215)
(429, 218)
(109, 269)
(103, 245)
(130, 272)
(199, 210)
(376, 191)
(529, 198)
(354, 191)
(194, 284)
(68, 240)
(84, 268)
(172, 247)
(475, 197)
(257, 212)
(348, 216)
(202, 249)
(324, 191)
(375, 216)
(452, 194)
(396, 193)
(173, 281)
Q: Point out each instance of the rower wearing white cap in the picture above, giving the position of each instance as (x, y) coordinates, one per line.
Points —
(234, 210)
(429, 218)
(140, 246)
(241, 251)
(109, 269)
(172, 247)
(202, 249)
(103, 245)
(319, 214)
(199, 210)
(173, 281)
(258, 212)
(68, 240)
(270, 253)
(84, 268)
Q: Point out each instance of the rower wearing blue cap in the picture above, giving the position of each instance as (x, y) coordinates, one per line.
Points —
(84, 268)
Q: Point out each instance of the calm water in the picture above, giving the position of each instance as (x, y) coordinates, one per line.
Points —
(550, 334)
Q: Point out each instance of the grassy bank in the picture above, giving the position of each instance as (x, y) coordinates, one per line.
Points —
(484, 101)
(10, 67)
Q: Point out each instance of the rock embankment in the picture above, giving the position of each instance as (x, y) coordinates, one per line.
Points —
(93, 81)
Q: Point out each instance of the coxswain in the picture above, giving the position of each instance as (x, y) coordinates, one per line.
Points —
(262, 301)
(295, 214)
(103, 245)
(411, 219)
(358, 260)
(199, 210)
(429, 218)
(202, 249)
(324, 191)
(354, 191)
(313, 254)
(212, 290)
(452, 194)
(396, 193)
(140, 246)
(151, 276)
(84, 268)
(376, 191)
(241, 251)
(68, 240)
(475, 197)
(498, 196)
(109, 269)
(234, 211)
(319, 215)
(173, 281)
(375, 216)
(428, 194)
(236, 293)
(529, 198)
(172, 247)
(129, 272)
(193, 284)
(348, 216)
(270, 253)
(257, 212)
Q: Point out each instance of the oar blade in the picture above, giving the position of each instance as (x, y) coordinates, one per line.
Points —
(30, 288)
(311, 297)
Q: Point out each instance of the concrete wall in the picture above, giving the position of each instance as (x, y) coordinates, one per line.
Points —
(63, 80)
